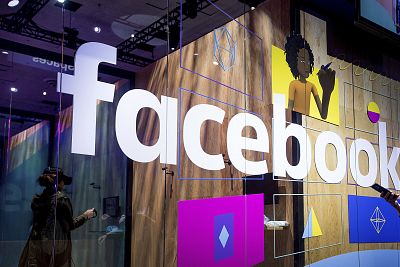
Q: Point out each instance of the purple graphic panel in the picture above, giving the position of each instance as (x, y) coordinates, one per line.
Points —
(224, 230)
(219, 232)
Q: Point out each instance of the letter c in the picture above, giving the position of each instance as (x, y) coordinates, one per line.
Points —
(191, 136)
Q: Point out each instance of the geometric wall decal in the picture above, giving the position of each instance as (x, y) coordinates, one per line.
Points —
(234, 49)
(372, 220)
(377, 220)
(352, 104)
(226, 231)
(312, 228)
(224, 234)
(373, 112)
(224, 48)
(324, 225)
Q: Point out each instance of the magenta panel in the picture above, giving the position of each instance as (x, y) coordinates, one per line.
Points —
(227, 231)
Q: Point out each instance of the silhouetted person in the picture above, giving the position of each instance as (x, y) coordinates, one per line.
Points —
(49, 243)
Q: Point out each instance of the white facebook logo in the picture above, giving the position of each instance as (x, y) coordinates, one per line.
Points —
(85, 88)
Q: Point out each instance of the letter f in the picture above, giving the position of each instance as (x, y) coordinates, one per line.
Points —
(86, 91)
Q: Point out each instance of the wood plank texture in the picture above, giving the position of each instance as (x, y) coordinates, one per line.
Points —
(154, 233)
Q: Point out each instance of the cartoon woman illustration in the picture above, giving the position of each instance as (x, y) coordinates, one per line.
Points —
(300, 58)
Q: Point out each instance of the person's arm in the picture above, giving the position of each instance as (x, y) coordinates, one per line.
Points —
(75, 222)
(391, 198)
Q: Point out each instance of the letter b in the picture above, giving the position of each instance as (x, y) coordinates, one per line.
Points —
(280, 135)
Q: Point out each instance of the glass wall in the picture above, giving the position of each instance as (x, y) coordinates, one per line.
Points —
(197, 133)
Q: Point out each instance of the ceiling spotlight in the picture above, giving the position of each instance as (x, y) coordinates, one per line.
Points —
(13, 89)
(4, 52)
(252, 8)
(13, 3)
(61, 1)
(132, 35)
(97, 29)
(215, 63)
(44, 93)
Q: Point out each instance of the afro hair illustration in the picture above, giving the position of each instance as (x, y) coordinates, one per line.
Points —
(294, 43)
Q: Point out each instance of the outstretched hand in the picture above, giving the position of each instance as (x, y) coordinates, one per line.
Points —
(327, 80)
(89, 214)
(391, 198)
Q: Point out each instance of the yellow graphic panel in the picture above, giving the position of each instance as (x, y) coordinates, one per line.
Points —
(282, 78)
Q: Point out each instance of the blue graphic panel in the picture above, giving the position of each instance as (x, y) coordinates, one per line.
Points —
(223, 236)
(372, 220)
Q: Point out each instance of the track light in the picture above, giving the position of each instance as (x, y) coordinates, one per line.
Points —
(13, 3)
(252, 3)
(97, 29)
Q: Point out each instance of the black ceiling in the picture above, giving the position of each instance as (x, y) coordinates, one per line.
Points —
(33, 32)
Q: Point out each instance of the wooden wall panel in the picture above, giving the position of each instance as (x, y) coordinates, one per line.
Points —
(357, 88)
(154, 193)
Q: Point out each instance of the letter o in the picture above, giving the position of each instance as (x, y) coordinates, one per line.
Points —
(356, 147)
(323, 140)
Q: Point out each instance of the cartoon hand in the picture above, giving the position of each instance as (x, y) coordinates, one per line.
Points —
(327, 80)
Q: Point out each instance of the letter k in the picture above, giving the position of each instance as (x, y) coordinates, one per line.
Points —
(86, 90)
(386, 166)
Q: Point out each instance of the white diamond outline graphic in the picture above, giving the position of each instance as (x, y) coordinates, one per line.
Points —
(219, 34)
(223, 236)
(378, 220)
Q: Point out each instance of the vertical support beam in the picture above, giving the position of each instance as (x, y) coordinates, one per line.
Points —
(298, 204)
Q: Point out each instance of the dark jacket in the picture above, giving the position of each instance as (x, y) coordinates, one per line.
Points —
(46, 247)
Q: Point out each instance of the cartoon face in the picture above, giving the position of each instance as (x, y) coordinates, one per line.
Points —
(303, 63)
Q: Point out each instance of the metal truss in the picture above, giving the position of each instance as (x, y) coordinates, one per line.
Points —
(26, 13)
(22, 23)
(160, 28)
(166, 27)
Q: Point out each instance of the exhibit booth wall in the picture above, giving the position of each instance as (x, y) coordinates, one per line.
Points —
(157, 208)
(186, 76)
